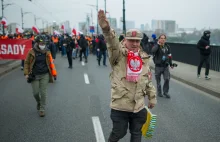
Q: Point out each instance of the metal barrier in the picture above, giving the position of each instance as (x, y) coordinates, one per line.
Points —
(189, 54)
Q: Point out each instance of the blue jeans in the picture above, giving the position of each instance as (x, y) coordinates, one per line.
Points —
(63, 51)
(75, 52)
(87, 51)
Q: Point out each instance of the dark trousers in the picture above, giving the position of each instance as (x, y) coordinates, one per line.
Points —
(166, 75)
(203, 59)
(22, 63)
(84, 53)
(102, 53)
(121, 119)
(69, 57)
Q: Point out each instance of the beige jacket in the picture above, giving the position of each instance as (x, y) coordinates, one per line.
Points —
(127, 96)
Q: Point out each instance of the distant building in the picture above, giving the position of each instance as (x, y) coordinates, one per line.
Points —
(12, 28)
(167, 26)
(67, 26)
(113, 22)
(83, 27)
(129, 24)
(142, 27)
(147, 27)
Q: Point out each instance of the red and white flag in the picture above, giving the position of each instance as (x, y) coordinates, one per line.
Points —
(56, 32)
(76, 32)
(19, 30)
(63, 28)
(35, 29)
(4, 21)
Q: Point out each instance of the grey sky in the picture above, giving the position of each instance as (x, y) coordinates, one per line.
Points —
(187, 13)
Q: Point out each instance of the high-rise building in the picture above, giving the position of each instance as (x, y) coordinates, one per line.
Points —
(167, 26)
(83, 27)
(113, 22)
(129, 24)
(147, 27)
(67, 26)
(142, 27)
(12, 28)
(170, 26)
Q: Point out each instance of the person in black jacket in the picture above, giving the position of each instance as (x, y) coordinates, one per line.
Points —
(83, 43)
(69, 45)
(144, 43)
(50, 45)
(162, 59)
(102, 48)
(205, 50)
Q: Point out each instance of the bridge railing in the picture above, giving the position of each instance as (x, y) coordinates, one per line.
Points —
(189, 54)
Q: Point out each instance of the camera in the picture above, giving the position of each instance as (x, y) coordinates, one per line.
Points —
(31, 77)
(174, 65)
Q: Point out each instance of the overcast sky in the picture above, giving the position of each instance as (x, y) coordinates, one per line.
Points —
(187, 13)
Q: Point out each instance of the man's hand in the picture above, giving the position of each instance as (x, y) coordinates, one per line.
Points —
(103, 22)
(150, 106)
(207, 47)
(26, 76)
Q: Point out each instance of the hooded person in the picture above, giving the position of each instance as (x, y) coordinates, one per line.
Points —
(102, 48)
(154, 37)
(204, 46)
(83, 45)
(40, 69)
(144, 43)
(67, 43)
(121, 37)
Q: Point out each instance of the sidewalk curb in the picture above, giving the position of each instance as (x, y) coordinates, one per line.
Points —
(207, 90)
(10, 67)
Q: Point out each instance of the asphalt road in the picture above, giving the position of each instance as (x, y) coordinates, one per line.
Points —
(189, 116)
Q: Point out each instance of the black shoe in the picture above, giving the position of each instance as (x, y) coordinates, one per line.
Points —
(38, 106)
(70, 67)
(160, 95)
(167, 96)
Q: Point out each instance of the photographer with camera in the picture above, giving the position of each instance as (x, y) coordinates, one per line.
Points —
(162, 59)
(39, 70)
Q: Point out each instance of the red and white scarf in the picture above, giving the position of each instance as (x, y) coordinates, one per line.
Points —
(134, 66)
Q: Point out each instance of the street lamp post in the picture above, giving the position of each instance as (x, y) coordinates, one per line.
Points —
(105, 6)
(97, 14)
(35, 20)
(3, 7)
(124, 23)
(3, 29)
(97, 17)
(22, 18)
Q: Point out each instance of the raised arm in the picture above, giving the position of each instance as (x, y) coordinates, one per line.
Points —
(113, 44)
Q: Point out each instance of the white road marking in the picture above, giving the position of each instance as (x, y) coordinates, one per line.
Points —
(86, 78)
(83, 63)
(98, 129)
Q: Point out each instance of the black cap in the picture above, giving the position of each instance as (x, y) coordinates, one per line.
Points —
(207, 32)
(40, 38)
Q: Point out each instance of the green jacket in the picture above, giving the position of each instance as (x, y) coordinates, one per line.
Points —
(30, 60)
